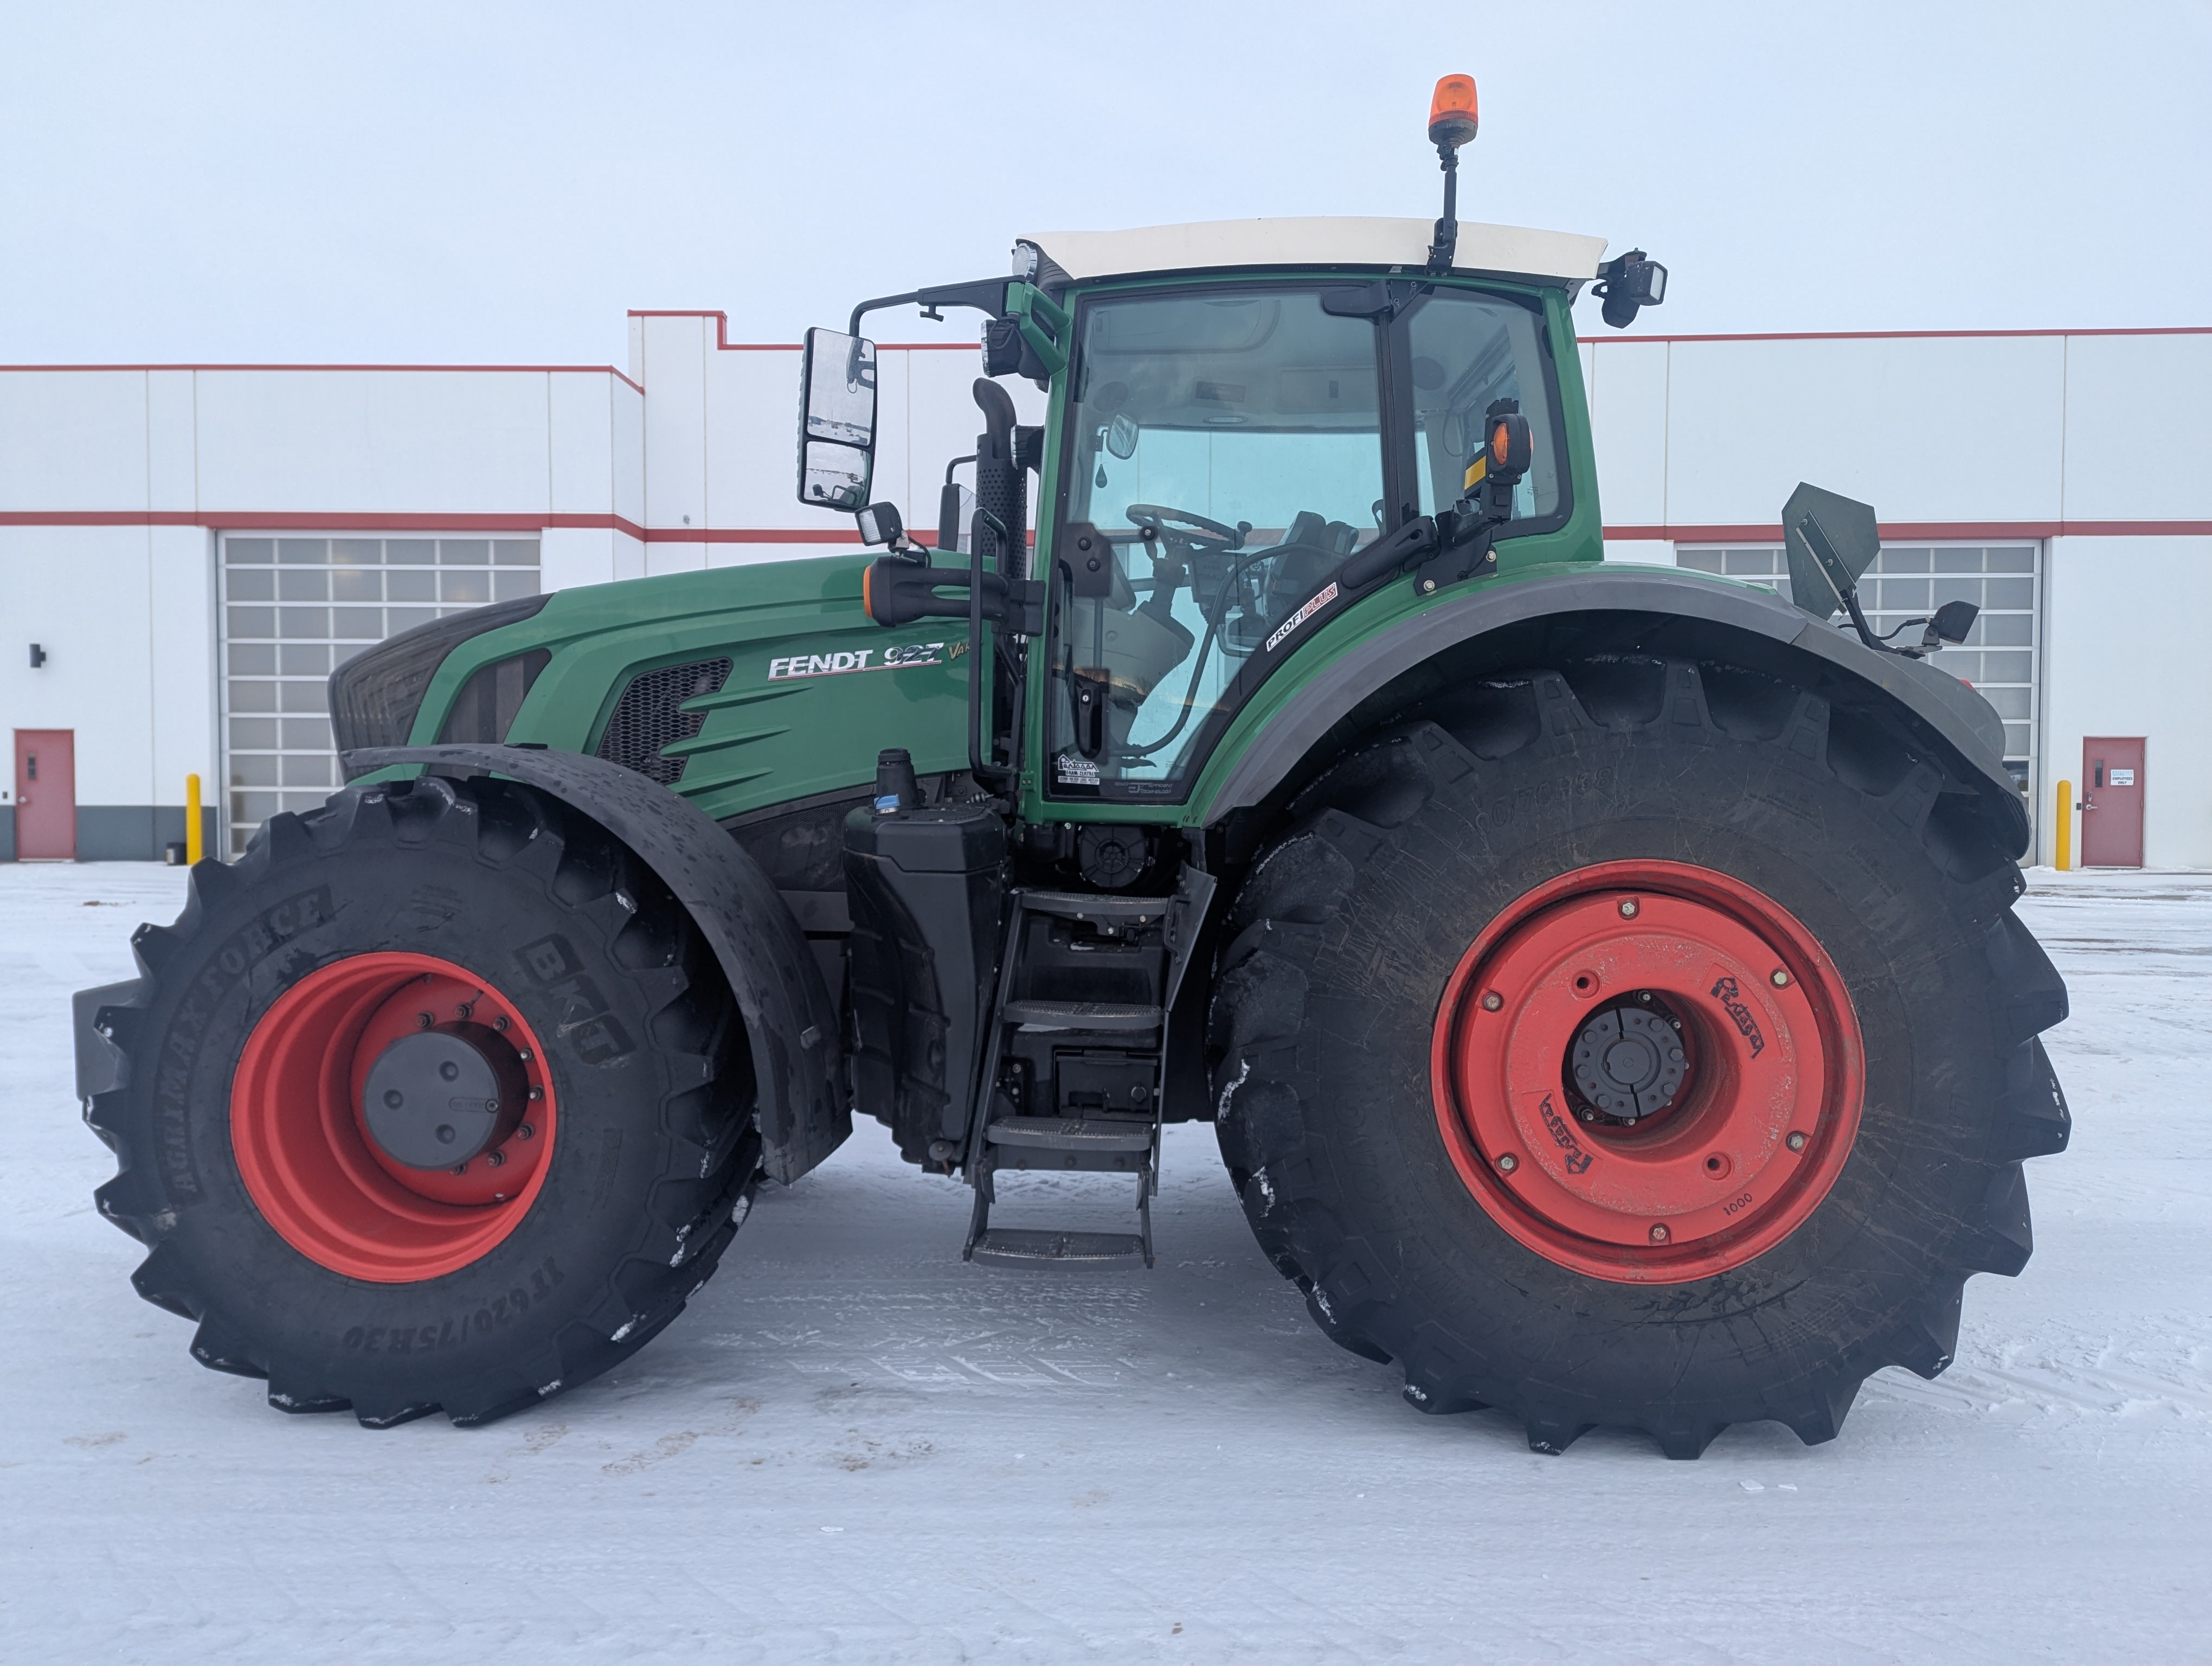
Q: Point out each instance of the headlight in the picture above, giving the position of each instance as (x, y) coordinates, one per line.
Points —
(375, 696)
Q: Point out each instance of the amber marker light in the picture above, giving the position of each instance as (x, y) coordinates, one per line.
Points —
(1452, 116)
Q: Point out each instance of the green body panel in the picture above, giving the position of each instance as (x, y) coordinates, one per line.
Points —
(770, 739)
(766, 740)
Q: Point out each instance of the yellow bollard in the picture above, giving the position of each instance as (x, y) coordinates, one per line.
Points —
(194, 840)
(2063, 842)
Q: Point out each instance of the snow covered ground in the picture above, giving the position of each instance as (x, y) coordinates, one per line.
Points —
(853, 1448)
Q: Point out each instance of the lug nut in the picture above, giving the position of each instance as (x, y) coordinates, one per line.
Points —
(1778, 978)
(537, 1093)
(499, 1025)
(1659, 1235)
(1492, 1001)
(494, 1158)
(1508, 1163)
(463, 1011)
(523, 1054)
(1589, 1116)
(1797, 1142)
(1628, 909)
(526, 1131)
(423, 1020)
(460, 1168)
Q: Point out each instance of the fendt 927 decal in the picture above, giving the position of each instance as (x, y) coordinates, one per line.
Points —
(843, 661)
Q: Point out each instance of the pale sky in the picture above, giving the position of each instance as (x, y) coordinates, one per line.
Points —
(497, 184)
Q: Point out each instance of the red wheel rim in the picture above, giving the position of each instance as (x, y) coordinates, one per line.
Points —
(298, 1129)
(1771, 1072)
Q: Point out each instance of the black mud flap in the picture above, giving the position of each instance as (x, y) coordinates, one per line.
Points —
(804, 1113)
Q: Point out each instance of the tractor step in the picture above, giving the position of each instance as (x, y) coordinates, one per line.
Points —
(1079, 1057)
(1018, 1245)
(1067, 1134)
(1078, 905)
(1089, 1015)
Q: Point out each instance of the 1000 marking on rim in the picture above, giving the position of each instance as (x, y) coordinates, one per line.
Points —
(1647, 1071)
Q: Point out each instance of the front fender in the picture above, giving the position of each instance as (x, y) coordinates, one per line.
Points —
(804, 1112)
(1957, 718)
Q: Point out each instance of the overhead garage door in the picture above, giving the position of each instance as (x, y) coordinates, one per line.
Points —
(296, 608)
(2002, 655)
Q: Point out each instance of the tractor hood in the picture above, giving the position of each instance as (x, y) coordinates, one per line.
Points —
(739, 687)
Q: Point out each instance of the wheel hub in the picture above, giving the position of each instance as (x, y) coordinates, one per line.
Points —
(1647, 1071)
(1629, 1061)
(438, 1098)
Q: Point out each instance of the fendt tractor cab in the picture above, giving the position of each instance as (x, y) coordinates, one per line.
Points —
(1602, 979)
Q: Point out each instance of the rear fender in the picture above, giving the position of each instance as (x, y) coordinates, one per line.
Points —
(1944, 710)
(804, 1113)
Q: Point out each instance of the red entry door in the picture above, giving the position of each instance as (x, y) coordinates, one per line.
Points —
(45, 795)
(2112, 801)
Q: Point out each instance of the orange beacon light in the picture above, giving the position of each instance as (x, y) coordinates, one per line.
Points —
(1452, 113)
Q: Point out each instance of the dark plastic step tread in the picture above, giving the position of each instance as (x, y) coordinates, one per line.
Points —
(1083, 905)
(1081, 1015)
(1034, 1248)
(1070, 1134)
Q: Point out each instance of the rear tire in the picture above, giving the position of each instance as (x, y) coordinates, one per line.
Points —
(1331, 1033)
(347, 1281)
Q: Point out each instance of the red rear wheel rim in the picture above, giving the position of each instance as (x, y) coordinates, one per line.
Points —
(303, 1151)
(1771, 1071)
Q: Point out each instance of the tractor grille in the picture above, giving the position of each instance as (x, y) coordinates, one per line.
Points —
(647, 719)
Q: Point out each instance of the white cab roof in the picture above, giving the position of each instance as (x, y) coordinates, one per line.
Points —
(1318, 241)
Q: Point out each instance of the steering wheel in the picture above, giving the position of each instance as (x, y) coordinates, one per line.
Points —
(1204, 537)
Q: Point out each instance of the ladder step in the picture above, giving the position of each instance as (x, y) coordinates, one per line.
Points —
(1078, 905)
(1093, 1015)
(1030, 1248)
(1068, 1133)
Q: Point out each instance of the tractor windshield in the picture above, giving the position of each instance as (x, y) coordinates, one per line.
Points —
(1228, 450)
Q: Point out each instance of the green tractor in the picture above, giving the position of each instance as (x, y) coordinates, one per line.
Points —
(1602, 979)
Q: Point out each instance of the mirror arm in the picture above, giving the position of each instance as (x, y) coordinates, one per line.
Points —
(985, 295)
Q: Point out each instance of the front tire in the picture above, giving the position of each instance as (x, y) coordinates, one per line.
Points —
(598, 1191)
(1410, 1097)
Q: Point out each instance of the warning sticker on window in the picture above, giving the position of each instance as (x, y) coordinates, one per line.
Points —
(1299, 617)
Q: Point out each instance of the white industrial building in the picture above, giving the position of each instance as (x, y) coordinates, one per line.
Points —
(184, 549)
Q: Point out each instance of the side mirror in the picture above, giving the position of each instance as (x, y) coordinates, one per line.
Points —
(836, 420)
